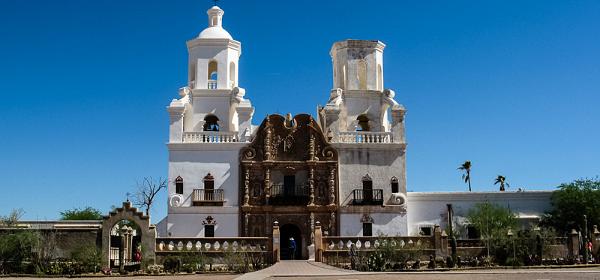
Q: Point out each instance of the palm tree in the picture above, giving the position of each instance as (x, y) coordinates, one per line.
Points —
(502, 181)
(466, 166)
(467, 176)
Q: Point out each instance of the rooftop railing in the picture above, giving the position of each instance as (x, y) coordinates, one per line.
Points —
(210, 137)
(365, 137)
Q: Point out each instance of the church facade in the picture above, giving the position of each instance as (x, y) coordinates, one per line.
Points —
(344, 167)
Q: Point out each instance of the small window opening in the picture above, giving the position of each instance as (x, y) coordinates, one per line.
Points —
(367, 229)
(209, 231)
(472, 232)
(212, 74)
(394, 183)
(211, 123)
(425, 231)
(363, 123)
(179, 185)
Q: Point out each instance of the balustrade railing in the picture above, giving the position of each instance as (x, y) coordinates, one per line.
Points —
(365, 137)
(212, 244)
(367, 197)
(343, 243)
(212, 84)
(208, 195)
(282, 190)
(210, 137)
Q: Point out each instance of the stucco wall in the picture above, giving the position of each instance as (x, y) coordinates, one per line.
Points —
(390, 224)
(381, 165)
(429, 208)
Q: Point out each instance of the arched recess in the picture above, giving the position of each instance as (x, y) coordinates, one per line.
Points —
(232, 74)
(211, 123)
(379, 77)
(363, 123)
(213, 73)
(362, 74)
(394, 185)
(141, 221)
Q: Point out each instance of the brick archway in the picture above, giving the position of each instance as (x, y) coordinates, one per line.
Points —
(148, 232)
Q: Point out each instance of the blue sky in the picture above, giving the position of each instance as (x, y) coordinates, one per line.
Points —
(513, 86)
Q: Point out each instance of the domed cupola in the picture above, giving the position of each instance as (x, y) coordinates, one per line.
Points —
(215, 25)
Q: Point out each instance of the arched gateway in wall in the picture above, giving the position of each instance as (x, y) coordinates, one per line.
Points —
(289, 175)
(124, 230)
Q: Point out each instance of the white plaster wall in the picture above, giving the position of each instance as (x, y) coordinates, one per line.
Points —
(190, 225)
(194, 165)
(205, 103)
(365, 102)
(381, 164)
(430, 208)
(200, 56)
(390, 224)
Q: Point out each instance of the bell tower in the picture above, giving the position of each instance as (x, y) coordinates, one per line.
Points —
(366, 126)
(358, 65)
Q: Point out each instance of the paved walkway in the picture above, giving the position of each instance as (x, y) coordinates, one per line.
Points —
(295, 268)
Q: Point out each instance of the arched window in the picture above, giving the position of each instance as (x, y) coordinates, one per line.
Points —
(212, 74)
(209, 226)
(394, 184)
(344, 74)
(363, 123)
(232, 74)
(362, 74)
(179, 185)
(211, 123)
(379, 77)
(209, 187)
(367, 185)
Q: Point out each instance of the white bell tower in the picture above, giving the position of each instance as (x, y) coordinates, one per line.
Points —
(214, 55)
(212, 100)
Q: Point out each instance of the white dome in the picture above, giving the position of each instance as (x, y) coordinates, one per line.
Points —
(214, 32)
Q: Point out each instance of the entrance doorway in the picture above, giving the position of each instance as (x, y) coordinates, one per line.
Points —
(291, 231)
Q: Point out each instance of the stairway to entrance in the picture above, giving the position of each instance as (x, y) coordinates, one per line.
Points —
(300, 267)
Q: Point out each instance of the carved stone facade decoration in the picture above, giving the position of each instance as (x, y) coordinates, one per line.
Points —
(366, 218)
(289, 175)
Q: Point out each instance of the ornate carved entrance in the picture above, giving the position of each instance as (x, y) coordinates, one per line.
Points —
(289, 175)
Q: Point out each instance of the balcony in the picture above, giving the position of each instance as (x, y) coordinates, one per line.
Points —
(367, 197)
(207, 197)
(210, 137)
(212, 84)
(289, 195)
(363, 137)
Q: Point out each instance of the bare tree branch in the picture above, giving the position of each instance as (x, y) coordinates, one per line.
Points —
(147, 191)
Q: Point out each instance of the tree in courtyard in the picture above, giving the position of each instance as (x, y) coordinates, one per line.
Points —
(13, 218)
(87, 213)
(502, 181)
(492, 221)
(147, 191)
(570, 202)
(466, 167)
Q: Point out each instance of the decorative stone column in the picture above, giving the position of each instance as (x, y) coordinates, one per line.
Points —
(332, 186)
(318, 242)
(276, 242)
(311, 185)
(574, 244)
(267, 185)
(398, 124)
(246, 186)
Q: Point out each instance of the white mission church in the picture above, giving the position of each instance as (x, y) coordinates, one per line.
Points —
(344, 166)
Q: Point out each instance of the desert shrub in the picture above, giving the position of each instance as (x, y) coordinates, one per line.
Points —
(236, 261)
(171, 264)
(88, 257)
(16, 247)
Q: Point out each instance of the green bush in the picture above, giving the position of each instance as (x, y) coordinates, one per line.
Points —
(171, 264)
(89, 258)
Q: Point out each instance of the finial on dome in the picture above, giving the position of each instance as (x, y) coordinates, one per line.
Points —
(215, 16)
